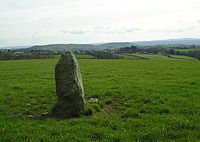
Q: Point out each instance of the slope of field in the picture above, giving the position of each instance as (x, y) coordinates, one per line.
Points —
(141, 100)
(153, 56)
(128, 56)
(182, 57)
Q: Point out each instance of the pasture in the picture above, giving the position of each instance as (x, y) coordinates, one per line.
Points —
(141, 100)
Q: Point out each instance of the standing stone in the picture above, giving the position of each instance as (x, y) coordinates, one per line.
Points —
(69, 87)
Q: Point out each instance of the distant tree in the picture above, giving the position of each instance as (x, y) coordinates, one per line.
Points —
(103, 55)
(131, 49)
(171, 52)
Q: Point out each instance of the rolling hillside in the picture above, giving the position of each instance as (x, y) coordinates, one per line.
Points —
(117, 45)
(181, 41)
(111, 45)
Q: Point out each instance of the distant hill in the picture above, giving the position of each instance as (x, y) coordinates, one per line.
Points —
(57, 47)
(116, 44)
(15, 47)
(62, 47)
(111, 45)
(181, 41)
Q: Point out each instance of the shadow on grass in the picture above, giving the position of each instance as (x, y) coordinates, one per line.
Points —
(51, 115)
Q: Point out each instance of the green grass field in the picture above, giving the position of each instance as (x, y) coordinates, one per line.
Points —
(139, 100)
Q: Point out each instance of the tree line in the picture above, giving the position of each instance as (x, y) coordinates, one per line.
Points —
(13, 55)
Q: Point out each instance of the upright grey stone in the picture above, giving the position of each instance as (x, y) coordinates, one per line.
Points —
(69, 87)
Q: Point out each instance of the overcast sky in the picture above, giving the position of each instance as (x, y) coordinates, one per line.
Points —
(30, 22)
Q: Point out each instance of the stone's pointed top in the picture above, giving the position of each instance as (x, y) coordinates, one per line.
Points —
(68, 53)
(67, 59)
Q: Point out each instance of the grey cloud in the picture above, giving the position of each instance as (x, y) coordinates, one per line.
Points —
(30, 4)
(127, 30)
(171, 30)
(174, 31)
(109, 30)
(102, 30)
(190, 28)
(198, 21)
(167, 31)
(76, 32)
